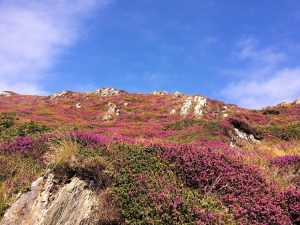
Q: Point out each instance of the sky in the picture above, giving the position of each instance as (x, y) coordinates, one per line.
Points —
(238, 51)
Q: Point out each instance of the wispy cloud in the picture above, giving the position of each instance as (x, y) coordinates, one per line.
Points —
(264, 78)
(34, 34)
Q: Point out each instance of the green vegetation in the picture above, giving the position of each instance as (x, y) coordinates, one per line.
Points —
(148, 192)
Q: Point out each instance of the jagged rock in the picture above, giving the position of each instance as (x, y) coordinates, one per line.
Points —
(201, 104)
(62, 94)
(6, 93)
(160, 93)
(244, 136)
(297, 102)
(186, 106)
(71, 204)
(78, 106)
(106, 92)
(107, 117)
(173, 111)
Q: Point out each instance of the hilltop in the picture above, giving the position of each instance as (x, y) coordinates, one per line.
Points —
(113, 157)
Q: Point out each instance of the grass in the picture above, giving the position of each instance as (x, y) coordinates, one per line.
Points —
(16, 175)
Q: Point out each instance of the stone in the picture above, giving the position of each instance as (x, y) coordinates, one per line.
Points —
(187, 104)
(107, 92)
(247, 137)
(178, 94)
(173, 111)
(62, 94)
(160, 93)
(111, 108)
(297, 102)
(5, 93)
(107, 117)
(201, 104)
(70, 204)
(78, 106)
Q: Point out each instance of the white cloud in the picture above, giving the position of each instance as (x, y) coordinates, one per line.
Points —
(33, 35)
(263, 80)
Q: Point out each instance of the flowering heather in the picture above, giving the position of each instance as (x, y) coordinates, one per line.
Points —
(291, 201)
(286, 160)
(35, 147)
(250, 197)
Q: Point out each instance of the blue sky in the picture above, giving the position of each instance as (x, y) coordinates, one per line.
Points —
(239, 51)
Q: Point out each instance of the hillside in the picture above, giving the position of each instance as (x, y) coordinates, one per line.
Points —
(112, 157)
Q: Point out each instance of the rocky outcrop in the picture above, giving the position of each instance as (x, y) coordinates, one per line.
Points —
(178, 94)
(187, 104)
(107, 92)
(72, 203)
(297, 101)
(160, 93)
(244, 136)
(6, 93)
(200, 105)
(111, 112)
(62, 94)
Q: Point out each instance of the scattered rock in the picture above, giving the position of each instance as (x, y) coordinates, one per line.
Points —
(173, 111)
(107, 92)
(112, 108)
(62, 94)
(125, 103)
(78, 105)
(107, 117)
(187, 104)
(160, 93)
(201, 104)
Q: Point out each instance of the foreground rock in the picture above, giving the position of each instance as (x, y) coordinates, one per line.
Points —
(72, 203)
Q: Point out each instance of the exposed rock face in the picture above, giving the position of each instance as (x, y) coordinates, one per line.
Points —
(244, 136)
(106, 92)
(201, 103)
(160, 93)
(186, 106)
(62, 94)
(70, 204)
(297, 102)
